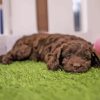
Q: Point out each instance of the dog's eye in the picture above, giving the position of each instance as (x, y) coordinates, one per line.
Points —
(87, 55)
(66, 54)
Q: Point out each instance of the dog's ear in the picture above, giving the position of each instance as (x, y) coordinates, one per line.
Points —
(95, 61)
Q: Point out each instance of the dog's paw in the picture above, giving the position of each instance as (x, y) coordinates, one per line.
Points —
(6, 60)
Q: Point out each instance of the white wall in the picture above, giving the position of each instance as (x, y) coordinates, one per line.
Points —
(20, 16)
(84, 17)
(93, 18)
(23, 14)
(60, 16)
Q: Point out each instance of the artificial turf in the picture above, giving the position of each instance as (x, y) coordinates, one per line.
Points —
(28, 80)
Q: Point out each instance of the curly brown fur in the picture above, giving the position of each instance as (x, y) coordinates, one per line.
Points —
(65, 52)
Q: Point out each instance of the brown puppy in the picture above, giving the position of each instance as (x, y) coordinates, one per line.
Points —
(66, 52)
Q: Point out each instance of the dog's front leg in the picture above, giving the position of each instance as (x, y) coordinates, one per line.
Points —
(52, 59)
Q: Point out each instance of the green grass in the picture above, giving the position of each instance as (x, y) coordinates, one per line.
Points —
(32, 81)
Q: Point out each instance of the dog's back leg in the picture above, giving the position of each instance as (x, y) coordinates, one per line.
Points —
(17, 53)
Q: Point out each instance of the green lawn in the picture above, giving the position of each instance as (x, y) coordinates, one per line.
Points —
(32, 81)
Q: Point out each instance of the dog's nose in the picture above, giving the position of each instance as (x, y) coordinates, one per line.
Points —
(76, 64)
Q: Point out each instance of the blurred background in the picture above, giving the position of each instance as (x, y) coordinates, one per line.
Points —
(24, 17)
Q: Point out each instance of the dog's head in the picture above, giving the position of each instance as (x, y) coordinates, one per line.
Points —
(76, 56)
